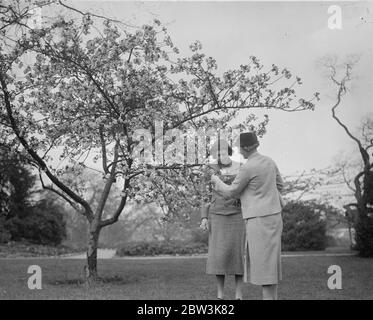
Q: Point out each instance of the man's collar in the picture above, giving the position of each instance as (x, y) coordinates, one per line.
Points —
(254, 153)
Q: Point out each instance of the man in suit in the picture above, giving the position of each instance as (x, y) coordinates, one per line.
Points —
(258, 184)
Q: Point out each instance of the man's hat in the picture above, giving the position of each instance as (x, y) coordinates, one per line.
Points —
(248, 140)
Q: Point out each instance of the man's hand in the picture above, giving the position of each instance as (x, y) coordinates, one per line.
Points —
(204, 224)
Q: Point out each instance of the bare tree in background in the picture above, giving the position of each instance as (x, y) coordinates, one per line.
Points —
(362, 185)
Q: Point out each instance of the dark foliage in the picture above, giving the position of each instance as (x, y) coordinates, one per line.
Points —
(43, 224)
(364, 236)
(20, 218)
(4, 233)
(368, 187)
(304, 226)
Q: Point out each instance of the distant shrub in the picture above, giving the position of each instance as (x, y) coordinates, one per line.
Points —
(4, 233)
(160, 248)
(304, 226)
(200, 236)
(43, 224)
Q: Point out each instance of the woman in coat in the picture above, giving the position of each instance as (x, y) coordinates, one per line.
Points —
(223, 220)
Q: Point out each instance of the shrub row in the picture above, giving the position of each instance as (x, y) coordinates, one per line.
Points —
(160, 248)
(26, 249)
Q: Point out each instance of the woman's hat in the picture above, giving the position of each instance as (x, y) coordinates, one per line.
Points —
(222, 146)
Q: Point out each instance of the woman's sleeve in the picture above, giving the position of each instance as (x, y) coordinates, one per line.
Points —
(205, 206)
(205, 210)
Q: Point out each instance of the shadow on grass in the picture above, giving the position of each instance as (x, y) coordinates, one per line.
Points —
(112, 280)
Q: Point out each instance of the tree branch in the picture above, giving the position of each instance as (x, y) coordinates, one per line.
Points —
(103, 150)
(93, 15)
(120, 208)
(341, 91)
(40, 162)
(108, 185)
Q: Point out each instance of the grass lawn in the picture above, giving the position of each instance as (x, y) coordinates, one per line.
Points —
(303, 278)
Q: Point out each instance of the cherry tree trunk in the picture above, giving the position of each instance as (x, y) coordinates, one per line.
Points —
(91, 268)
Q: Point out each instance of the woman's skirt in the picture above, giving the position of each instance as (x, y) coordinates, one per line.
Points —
(263, 249)
(226, 244)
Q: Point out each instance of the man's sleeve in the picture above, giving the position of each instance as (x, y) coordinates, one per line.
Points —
(280, 187)
(279, 181)
(239, 183)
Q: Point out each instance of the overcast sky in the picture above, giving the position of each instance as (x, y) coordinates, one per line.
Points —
(290, 34)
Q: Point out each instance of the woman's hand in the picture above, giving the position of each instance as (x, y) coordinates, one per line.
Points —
(204, 224)
(214, 179)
